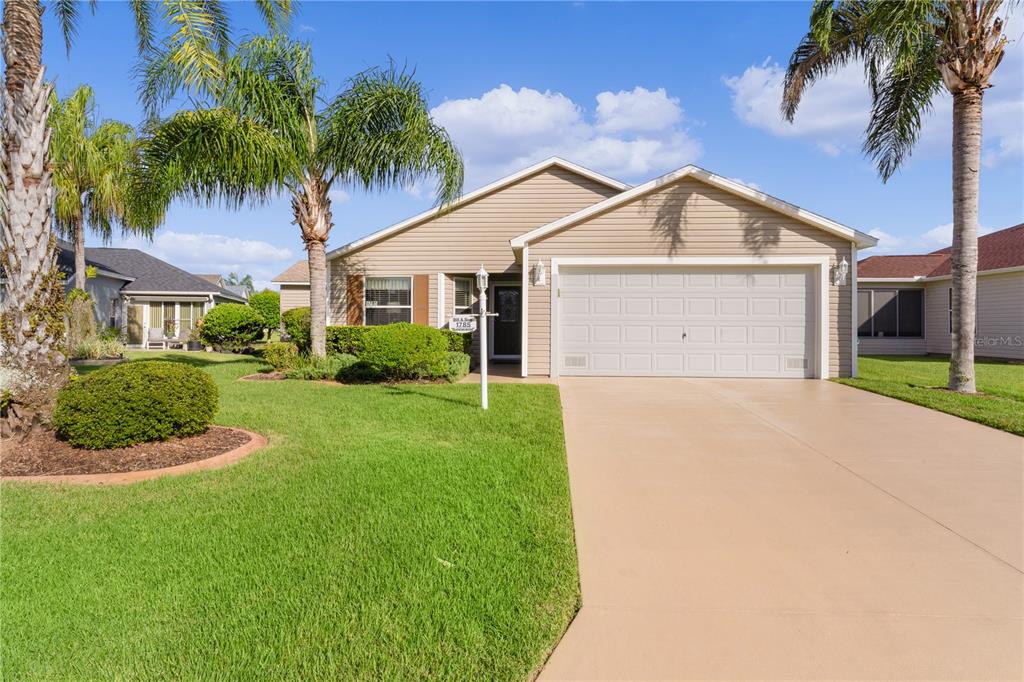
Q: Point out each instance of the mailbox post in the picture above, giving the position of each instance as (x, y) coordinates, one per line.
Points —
(481, 284)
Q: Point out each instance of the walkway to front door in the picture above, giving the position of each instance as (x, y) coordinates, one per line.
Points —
(776, 529)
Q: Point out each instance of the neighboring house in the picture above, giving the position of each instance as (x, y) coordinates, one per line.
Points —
(294, 283)
(690, 274)
(219, 281)
(135, 292)
(904, 304)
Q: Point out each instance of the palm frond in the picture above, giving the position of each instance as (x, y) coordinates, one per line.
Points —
(378, 134)
(142, 11)
(276, 13)
(821, 54)
(904, 96)
(209, 156)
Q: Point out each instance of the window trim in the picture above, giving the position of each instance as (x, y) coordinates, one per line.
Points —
(871, 318)
(366, 307)
(466, 310)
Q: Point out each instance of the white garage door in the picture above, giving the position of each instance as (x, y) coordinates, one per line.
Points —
(686, 321)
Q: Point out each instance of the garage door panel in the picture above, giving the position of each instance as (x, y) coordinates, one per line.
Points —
(686, 321)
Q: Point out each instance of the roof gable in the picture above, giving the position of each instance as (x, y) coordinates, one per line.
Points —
(553, 162)
(996, 251)
(297, 272)
(153, 275)
(696, 173)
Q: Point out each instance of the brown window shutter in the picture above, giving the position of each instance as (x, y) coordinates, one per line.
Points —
(421, 299)
(354, 299)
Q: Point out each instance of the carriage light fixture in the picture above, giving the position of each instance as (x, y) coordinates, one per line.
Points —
(841, 271)
(539, 276)
(481, 279)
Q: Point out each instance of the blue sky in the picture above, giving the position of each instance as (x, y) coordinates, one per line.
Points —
(630, 89)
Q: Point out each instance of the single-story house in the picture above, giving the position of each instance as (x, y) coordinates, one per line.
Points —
(689, 274)
(136, 292)
(294, 283)
(904, 304)
(237, 289)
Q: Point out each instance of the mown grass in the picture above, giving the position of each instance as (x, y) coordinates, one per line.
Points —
(922, 380)
(387, 533)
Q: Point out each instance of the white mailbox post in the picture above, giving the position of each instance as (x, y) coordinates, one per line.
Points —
(481, 284)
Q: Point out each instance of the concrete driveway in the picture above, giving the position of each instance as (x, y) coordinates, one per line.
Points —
(739, 529)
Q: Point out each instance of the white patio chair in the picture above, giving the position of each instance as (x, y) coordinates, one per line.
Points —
(156, 339)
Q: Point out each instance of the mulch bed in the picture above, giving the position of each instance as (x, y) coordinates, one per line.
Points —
(43, 454)
(264, 376)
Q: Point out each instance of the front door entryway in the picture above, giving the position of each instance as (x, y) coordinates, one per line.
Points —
(507, 323)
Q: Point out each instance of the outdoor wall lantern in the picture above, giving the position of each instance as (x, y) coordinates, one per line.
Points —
(539, 274)
(481, 279)
(842, 270)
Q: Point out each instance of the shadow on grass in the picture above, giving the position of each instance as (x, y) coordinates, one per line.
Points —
(401, 390)
(196, 359)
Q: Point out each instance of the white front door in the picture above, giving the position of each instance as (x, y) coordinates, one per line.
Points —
(751, 321)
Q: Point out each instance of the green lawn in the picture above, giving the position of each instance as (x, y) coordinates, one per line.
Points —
(920, 380)
(387, 533)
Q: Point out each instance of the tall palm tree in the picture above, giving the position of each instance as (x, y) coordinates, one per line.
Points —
(31, 330)
(91, 171)
(270, 132)
(910, 51)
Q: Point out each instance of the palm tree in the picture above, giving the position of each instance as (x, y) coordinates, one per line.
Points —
(910, 50)
(269, 133)
(31, 327)
(91, 171)
(235, 280)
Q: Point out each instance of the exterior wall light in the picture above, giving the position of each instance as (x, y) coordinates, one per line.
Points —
(539, 275)
(481, 279)
(842, 270)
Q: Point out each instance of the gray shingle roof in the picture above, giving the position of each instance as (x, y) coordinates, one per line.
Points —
(151, 273)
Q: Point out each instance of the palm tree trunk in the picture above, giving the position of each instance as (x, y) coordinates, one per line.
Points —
(964, 265)
(317, 298)
(79, 254)
(32, 320)
(312, 209)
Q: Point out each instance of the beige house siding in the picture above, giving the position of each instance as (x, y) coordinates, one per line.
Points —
(294, 296)
(469, 236)
(894, 346)
(690, 218)
(1000, 316)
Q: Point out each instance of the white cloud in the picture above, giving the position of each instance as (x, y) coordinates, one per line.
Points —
(632, 134)
(306, 28)
(835, 111)
(936, 238)
(338, 196)
(215, 253)
(751, 185)
(638, 109)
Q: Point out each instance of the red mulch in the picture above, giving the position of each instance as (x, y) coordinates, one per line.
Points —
(42, 454)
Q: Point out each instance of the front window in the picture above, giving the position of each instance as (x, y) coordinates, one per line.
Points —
(387, 300)
(890, 313)
(463, 295)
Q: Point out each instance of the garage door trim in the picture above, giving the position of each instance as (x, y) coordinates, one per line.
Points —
(820, 264)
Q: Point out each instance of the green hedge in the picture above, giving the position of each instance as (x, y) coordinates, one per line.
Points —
(346, 339)
(268, 304)
(406, 351)
(282, 356)
(331, 367)
(458, 366)
(135, 402)
(458, 343)
(296, 324)
(232, 326)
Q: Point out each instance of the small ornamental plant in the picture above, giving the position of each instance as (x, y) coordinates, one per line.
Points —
(231, 326)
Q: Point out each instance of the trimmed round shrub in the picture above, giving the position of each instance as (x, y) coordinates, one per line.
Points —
(458, 343)
(458, 366)
(135, 402)
(268, 304)
(232, 326)
(296, 324)
(282, 356)
(347, 339)
(406, 351)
